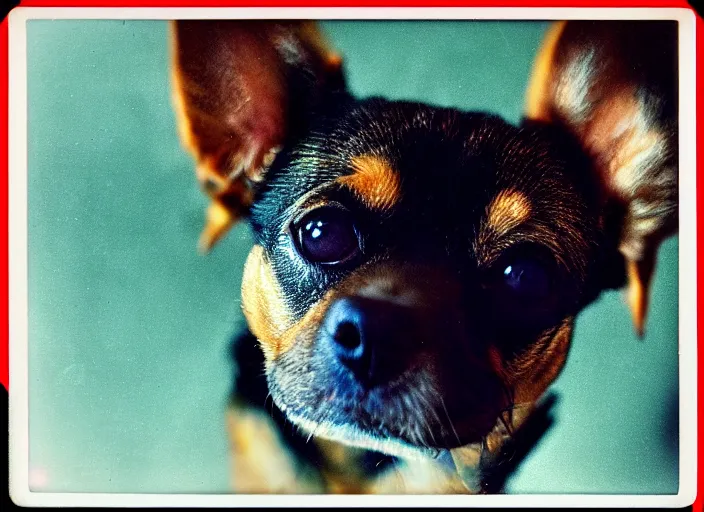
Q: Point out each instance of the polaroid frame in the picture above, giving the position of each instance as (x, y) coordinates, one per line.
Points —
(17, 256)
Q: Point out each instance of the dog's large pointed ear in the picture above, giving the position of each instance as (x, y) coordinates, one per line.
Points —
(241, 91)
(613, 85)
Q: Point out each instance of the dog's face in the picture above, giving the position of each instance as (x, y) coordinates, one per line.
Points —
(416, 270)
(405, 277)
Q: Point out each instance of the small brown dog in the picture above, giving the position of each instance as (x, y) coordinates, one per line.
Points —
(417, 270)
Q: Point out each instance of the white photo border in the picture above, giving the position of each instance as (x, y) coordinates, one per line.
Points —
(18, 328)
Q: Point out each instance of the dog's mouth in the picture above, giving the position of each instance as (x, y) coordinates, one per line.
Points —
(407, 417)
(388, 375)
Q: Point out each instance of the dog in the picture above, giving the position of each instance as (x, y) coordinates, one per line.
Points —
(417, 270)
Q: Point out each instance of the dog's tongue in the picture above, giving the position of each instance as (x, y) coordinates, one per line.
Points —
(466, 459)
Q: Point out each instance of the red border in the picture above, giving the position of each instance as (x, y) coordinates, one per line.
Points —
(699, 500)
(4, 165)
(356, 3)
(4, 291)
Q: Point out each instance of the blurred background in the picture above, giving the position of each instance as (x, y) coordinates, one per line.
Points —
(129, 326)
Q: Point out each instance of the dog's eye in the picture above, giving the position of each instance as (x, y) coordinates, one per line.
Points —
(524, 288)
(327, 235)
(528, 279)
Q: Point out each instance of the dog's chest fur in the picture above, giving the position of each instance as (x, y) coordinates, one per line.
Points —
(269, 454)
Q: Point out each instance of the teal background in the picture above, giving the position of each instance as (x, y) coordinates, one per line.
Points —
(129, 326)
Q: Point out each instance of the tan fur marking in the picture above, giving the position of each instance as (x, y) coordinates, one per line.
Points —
(534, 370)
(218, 220)
(266, 312)
(263, 305)
(262, 464)
(342, 470)
(640, 274)
(507, 210)
(374, 181)
(537, 95)
(343, 474)
(466, 459)
(310, 323)
(423, 476)
(260, 461)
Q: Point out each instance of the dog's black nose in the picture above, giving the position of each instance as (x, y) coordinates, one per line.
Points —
(364, 334)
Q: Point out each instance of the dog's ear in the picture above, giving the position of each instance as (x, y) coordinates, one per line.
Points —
(241, 91)
(613, 86)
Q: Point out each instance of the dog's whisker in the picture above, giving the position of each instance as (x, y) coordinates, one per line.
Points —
(447, 414)
(425, 406)
(396, 465)
(310, 436)
(322, 417)
(271, 408)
